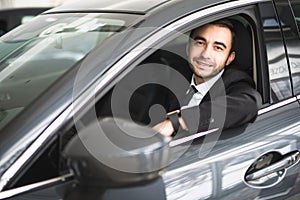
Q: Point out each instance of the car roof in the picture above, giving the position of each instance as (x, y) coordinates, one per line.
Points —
(129, 6)
(150, 13)
(24, 9)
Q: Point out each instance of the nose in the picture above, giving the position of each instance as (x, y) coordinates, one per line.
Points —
(206, 52)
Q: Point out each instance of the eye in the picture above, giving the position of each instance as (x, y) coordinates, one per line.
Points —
(199, 42)
(219, 48)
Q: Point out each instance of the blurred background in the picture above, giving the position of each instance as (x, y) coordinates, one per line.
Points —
(16, 12)
(30, 3)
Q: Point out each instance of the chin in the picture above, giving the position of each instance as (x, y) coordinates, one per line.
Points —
(204, 74)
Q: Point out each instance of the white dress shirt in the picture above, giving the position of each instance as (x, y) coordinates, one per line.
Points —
(202, 89)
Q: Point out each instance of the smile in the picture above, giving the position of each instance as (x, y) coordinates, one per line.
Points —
(200, 63)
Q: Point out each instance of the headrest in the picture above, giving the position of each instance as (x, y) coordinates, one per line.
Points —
(243, 48)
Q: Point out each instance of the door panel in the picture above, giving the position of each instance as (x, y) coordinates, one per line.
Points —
(220, 174)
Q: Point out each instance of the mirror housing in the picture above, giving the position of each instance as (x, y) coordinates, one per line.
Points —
(115, 152)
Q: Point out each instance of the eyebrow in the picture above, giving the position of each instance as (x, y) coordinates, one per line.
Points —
(216, 42)
(221, 43)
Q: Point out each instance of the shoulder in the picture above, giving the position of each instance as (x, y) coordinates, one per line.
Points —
(232, 76)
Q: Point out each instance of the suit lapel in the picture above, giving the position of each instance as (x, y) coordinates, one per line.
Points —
(217, 89)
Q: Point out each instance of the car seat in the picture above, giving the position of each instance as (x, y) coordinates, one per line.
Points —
(243, 48)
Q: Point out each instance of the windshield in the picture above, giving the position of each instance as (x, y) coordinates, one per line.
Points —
(36, 54)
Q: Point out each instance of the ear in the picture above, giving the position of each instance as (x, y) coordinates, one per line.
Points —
(230, 58)
(187, 49)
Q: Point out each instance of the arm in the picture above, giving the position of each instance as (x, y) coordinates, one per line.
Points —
(166, 128)
(238, 106)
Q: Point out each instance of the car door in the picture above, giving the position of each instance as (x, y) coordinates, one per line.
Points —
(220, 165)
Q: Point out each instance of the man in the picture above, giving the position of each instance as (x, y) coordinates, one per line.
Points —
(219, 91)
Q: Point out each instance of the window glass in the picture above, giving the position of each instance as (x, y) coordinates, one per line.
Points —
(46, 166)
(26, 18)
(296, 9)
(280, 83)
(293, 48)
(33, 56)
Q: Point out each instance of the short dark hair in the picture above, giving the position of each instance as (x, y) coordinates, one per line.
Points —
(226, 23)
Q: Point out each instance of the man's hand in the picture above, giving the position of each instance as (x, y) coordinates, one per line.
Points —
(164, 128)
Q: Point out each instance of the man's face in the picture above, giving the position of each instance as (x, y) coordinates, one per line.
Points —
(209, 51)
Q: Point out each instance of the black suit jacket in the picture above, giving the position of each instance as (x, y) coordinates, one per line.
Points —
(232, 101)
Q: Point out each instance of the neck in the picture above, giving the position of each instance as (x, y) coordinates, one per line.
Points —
(199, 80)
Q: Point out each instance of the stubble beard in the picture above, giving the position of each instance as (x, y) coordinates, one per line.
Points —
(203, 77)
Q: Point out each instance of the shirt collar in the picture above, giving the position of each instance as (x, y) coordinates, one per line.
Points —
(204, 87)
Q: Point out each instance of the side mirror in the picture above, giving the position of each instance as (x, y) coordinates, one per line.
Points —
(115, 153)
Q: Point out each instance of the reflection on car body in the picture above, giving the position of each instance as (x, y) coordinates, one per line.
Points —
(65, 130)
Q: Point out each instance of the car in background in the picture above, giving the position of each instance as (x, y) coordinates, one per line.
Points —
(13, 17)
(67, 77)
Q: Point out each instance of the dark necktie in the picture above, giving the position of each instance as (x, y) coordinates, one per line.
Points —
(192, 90)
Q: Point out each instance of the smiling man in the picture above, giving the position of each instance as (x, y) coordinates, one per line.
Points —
(210, 50)
(220, 97)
